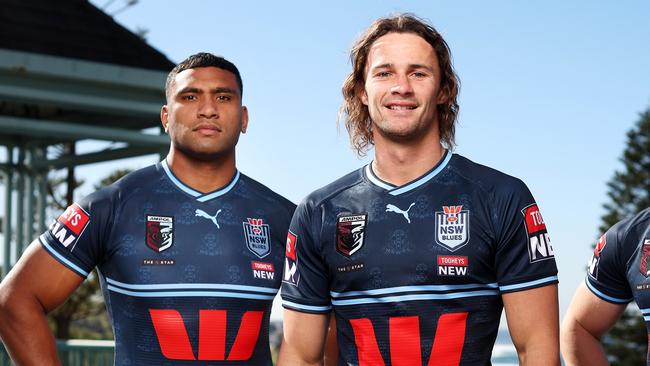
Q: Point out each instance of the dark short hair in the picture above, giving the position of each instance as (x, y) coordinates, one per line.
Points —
(203, 59)
(355, 113)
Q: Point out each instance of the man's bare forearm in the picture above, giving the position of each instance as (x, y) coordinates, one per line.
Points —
(25, 332)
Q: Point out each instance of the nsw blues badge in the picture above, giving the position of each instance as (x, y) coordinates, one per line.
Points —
(257, 236)
(452, 227)
(160, 232)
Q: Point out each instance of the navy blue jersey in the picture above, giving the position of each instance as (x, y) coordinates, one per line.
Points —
(620, 265)
(188, 278)
(414, 273)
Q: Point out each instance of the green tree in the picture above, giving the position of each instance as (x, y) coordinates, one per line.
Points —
(83, 315)
(629, 192)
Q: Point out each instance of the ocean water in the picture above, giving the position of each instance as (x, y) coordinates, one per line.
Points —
(504, 352)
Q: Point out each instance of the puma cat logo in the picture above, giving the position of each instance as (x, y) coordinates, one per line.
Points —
(405, 213)
(201, 213)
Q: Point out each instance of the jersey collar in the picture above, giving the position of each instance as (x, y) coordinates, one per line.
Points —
(394, 190)
(201, 197)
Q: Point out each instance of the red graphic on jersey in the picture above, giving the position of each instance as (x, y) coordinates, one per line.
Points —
(534, 220)
(600, 245)
(261, 266)
(74, 218)
(539, 242)
(451, 212)
(256, 225)
(291, 246)
(645, 257)
(175, 343)
(452, 260)
(405, 343)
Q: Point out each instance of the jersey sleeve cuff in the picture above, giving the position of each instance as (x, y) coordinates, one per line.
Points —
(61, 259)
(313, 309)
(528, 285)
(604, 296)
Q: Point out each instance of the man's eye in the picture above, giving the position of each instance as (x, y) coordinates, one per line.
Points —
(419, 74)
(382, 74)
(223, 98)
(189, 97)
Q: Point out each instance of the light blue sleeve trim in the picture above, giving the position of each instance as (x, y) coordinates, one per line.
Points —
(606, 297)
(63, 259)
(306, 307)
(528, 284)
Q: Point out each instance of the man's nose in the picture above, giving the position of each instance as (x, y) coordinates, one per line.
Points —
(402, 85)
(208, 109)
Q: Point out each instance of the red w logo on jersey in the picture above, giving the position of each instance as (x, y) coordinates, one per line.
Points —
(175, 343)
(404, 338)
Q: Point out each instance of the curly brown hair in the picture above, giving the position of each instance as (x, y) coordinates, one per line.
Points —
(355, 113)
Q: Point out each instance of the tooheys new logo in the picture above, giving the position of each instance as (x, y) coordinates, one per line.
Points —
(539, 243)
(291, 274)
(70, 225)
(595, 258)
(644, 268)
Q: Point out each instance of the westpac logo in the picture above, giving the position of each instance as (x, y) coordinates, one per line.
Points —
(174, 339)
(452, 227)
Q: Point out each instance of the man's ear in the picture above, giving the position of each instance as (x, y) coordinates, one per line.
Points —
(164, 117)
(443, 96)
(244, 119)
(362, 95)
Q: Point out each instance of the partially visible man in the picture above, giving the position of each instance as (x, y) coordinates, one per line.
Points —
(188, 251)
(618, 273)
(418, 252)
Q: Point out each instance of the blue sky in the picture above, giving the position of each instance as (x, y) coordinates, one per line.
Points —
(549, 90)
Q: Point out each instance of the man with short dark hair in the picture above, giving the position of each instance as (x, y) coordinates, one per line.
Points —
(418, 252)
(617, 275)
(188, 251)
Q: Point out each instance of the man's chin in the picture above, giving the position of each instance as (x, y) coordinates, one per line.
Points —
(207, 155)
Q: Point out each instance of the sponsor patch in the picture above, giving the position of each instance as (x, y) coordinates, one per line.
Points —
(158, 262)
(265, 271)
(539, 242)
(160, 232)
(351, 267)
(595, 258)
(350, 233)
(257, 235)
(70, 225)
(452, 227)
(644, 267)
(291, 274)
(452, 265)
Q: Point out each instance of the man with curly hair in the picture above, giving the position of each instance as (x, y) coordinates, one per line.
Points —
(418, 252)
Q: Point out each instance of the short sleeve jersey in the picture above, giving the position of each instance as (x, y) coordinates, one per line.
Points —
(414, 273)
(188, 277)
(619, 268)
